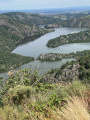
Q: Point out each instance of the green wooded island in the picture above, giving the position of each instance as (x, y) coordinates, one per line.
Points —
(80, 37)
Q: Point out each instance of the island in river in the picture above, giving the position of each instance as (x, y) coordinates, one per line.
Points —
(59, 56)
(80, 37)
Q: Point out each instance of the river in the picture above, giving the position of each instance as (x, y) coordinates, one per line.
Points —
(38, 46)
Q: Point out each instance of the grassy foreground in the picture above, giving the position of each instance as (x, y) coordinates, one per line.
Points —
(23, 97)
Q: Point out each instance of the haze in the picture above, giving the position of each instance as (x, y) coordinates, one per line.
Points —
(40, 4)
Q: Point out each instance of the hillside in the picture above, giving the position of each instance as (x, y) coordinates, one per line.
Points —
(55, 96)
(53, 20)
(83, 21)
(20, 27)
(71, 71)
(32, 19)
(12, 33)
(71, 20)
(9, 61)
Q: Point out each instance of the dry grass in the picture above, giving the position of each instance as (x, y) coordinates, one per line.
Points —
(36, 107)
(76, 109)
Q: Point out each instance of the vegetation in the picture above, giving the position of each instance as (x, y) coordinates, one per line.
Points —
(53, 20)
(31, 19)
(80, 37)
(61, 94)
(12, 33)
(71, 71)
(70, 20)
(17, 28)
(84, 69)
(9, 61)
(80, 21)
(59, 56)
(54, 56)
(75, 109)
(24, 97)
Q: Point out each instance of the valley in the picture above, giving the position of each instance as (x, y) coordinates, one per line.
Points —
(20, 28)
(45, 65)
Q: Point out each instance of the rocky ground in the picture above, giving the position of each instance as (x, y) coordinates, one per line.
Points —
(55, 56)
(69, 73)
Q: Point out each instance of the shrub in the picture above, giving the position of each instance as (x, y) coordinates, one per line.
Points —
(57, 98)
(18, 93)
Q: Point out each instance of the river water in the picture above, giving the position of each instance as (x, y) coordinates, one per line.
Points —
(38, 46)
(35, 48)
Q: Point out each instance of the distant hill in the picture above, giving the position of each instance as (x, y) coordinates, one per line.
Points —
(82, 21)
(31, 19)
(71, 20)
(53, 10)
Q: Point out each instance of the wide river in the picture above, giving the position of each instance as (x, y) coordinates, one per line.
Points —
(38, 46)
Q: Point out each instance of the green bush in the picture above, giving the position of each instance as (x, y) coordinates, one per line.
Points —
(57, 98)
(19, 93)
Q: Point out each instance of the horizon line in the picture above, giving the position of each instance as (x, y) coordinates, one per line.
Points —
(43, 8)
